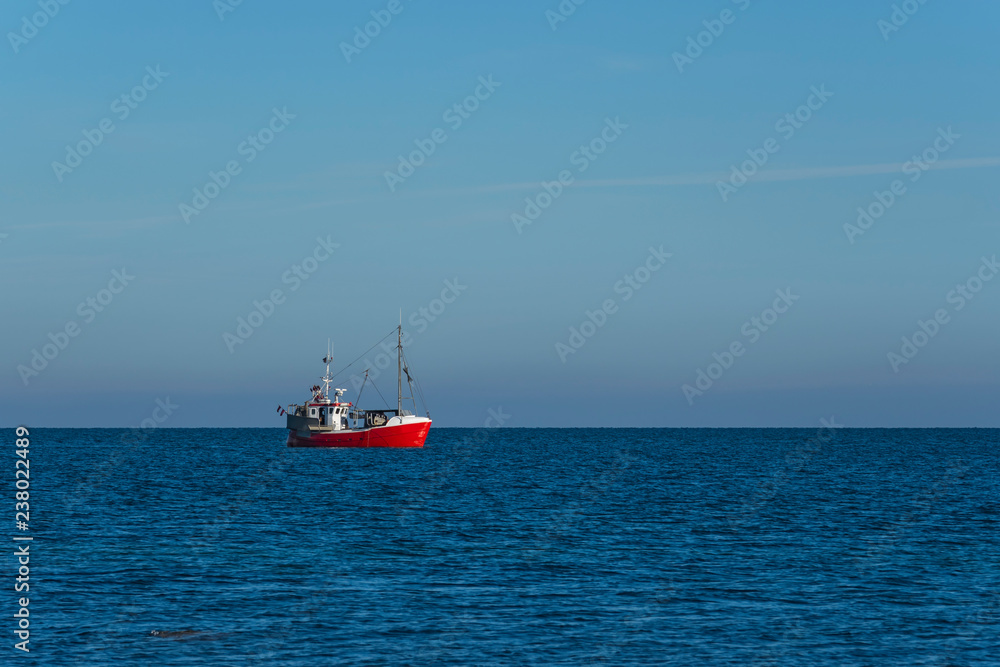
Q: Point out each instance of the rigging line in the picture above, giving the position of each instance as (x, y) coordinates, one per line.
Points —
(362, 355)
(357, 401)
(423, 401)
(409, 385)
(409, 378)
(416, 383)
(380, 394)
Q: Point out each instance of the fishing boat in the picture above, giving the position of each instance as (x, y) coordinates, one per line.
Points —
(325, 420)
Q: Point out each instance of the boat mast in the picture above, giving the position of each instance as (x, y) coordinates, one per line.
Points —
(328, 359)
(399, 366)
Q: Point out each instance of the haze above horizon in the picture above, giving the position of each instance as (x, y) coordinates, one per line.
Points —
(708, 214)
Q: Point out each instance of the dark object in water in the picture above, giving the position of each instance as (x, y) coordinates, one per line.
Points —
(175, 634)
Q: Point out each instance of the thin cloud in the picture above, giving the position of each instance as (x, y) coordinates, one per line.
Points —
(711, 178)
(121, 224)
(704, 178)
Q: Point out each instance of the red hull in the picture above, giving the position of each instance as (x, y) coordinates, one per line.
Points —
(404, 435)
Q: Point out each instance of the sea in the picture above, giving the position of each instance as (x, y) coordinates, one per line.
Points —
(825, 546)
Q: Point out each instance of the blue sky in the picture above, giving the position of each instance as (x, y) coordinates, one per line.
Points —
(661, 137)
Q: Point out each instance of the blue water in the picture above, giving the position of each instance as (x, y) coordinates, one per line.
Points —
(537, 547)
